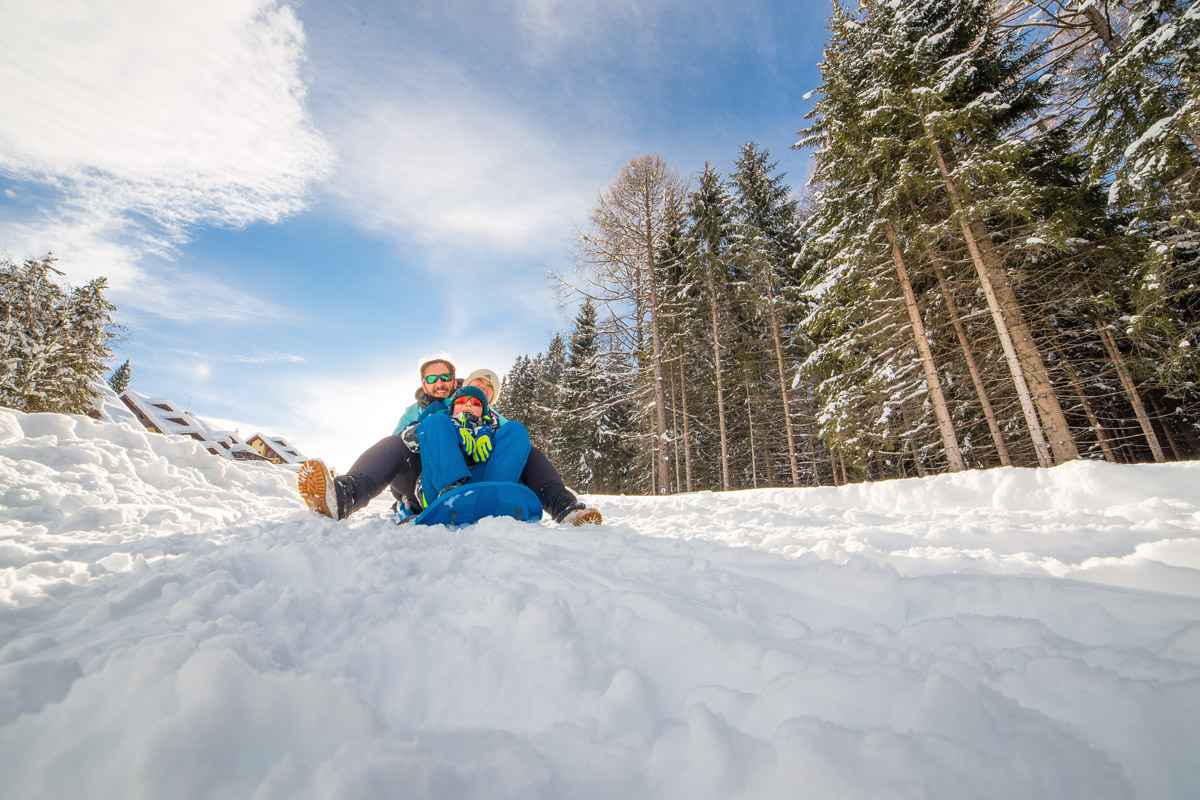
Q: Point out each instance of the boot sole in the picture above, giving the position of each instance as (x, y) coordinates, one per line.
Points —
(588, 517)
(316, 487)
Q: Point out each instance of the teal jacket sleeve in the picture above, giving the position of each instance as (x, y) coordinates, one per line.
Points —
(415, 413)
(436, 407)
(410, 416)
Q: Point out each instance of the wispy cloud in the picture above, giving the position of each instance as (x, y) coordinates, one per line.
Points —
(442, 161)
(271, 358)
(105, 244)
(147, 118)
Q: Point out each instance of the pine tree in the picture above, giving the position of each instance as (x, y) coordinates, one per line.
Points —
(1146, 124)
(519, 397)
(767, 245)
(551, 394)
(708, 275)
(119, 380)
(617, 465)
(1145, 132)
(862, 361)
(927, 123)
(584, 404)
(53, 343)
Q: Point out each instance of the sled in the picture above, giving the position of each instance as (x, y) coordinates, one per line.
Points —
(472, 502)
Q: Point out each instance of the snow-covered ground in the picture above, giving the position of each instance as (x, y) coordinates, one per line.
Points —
(176, 625)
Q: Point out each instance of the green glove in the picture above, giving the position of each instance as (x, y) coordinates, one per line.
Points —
(469, 442)
(483, 447)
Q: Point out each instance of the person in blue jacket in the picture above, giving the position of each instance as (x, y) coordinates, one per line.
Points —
(395, 463)
(468, 444)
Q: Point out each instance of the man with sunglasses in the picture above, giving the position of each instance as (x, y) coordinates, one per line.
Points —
(437, 383)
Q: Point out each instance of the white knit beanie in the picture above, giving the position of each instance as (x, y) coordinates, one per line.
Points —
(489, 376)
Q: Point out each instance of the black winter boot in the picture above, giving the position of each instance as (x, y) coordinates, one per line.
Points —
(558, 500)
(354, 491)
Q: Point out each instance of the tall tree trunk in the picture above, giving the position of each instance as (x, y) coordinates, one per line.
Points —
(1033, 386)
(687, 431)
(916, 457)
(1099, 25)
(1081, 394)
(1161, 416)
(1131, 392)
(918, 464)
(750, 422)
(783, 386)
(656, 357)
(833, 466)
(716, 336)
(964, 344)
(675, 437)
(940, 410)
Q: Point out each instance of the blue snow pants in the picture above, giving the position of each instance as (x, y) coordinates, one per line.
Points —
(443, 462)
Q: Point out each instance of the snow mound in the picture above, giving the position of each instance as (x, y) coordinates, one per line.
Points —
(174, 624)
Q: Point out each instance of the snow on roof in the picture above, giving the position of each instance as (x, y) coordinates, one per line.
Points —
(110, 406)
(163, 416)
(274, 447)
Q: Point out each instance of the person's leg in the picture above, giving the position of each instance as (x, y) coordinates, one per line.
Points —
(510, 451)
(557, 500)
(404, 486)
(541, 476)
(383, 461)
(389, 462)
(442, 462)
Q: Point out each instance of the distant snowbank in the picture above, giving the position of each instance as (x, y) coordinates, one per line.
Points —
(173, 624)
(1082, 520)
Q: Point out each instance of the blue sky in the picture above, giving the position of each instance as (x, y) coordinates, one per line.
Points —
(294, 203)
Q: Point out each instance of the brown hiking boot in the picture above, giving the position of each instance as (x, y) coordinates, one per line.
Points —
(318, 489)
(583, 516)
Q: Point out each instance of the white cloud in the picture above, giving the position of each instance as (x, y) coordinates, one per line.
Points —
(177, 110)
(147, 117)
(271, 358)
(443, 162)
(101, 245)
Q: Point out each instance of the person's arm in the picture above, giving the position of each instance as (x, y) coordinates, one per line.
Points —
(410, 416)
(416, 412)
(435, 407)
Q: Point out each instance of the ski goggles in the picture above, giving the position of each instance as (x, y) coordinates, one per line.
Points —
(468, 401)
(445, 377)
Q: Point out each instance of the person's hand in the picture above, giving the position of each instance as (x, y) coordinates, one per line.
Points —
(483, 447)
(468, 442)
